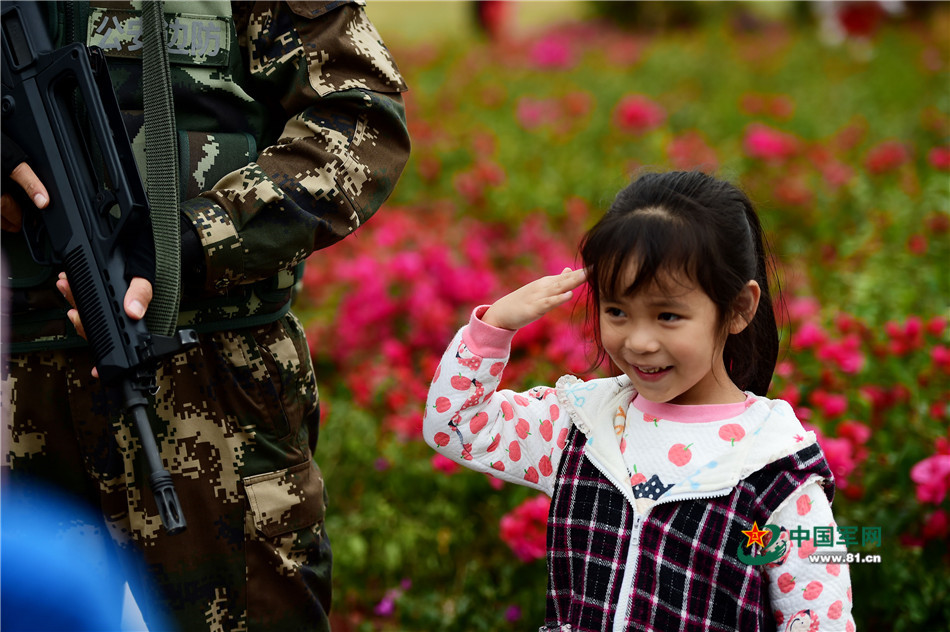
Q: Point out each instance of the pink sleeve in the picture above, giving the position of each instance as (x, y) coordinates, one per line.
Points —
(483, 339)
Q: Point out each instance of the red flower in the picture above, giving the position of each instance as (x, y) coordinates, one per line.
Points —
(905, 338)
(552, 52)
(917, 244)
(941, 357)
(766, 143)
(533, 113)
(887, 156)
(845, 353)
(809, 335)
(831, 405)
(855, 432)
(524, 528)
(444, 464)
(638, 114)
(936, 325)
(939, 158)
(860, 19)
(936, 527)
(690, 150)
(932, 476)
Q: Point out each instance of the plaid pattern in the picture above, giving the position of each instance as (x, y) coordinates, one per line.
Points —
(688, 576)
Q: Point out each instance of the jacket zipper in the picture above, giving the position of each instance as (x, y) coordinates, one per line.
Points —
(620, 614)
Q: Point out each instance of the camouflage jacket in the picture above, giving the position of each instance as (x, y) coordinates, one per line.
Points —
(291, 134)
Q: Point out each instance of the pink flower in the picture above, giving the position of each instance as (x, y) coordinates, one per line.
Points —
(784, 369)
(690, 150)
(552, 52)
(442, 463)
(524, 528)
(831, 405)
(932, 476)
(766, 143)
(886, 156)
(836, 173)
(845, 353)
(791, 394)
(840, 458)
(939, 158)
(941, 357)
(905, 338)
(809, 335)
(802, 308)
(637, 113)
(854, 431)
(533, 113)
(936, 325)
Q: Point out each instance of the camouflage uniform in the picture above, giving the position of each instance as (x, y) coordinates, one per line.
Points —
(291, 134)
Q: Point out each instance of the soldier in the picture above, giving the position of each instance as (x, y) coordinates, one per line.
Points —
(291, 133)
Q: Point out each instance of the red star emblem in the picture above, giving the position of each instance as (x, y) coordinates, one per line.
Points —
(756, 535)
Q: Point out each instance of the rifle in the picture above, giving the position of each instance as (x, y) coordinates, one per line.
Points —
(88, 217)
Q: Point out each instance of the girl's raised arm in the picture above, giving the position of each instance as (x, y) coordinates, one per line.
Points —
(517, 437)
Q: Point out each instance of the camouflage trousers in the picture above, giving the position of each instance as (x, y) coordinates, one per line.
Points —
(236, 420)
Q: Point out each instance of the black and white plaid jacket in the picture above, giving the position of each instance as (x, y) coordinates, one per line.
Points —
(685, 572)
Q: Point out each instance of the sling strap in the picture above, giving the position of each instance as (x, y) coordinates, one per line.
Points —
(161, 164)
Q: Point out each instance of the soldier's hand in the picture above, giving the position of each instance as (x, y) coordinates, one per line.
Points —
(14, 167)
(136, 302)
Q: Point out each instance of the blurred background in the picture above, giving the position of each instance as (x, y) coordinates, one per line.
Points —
(526, 119)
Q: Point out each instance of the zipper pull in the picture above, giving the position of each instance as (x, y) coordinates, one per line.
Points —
(635, 529)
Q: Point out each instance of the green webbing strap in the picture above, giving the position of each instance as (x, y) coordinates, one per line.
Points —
(161, 164)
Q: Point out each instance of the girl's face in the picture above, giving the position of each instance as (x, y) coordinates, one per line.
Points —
(666, 339)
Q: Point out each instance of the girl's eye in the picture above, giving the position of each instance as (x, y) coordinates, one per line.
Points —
(668, 317)
(613, 312)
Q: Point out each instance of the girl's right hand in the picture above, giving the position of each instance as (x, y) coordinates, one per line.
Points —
(532, 301)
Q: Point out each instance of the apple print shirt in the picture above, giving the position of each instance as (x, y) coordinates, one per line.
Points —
(666, 450)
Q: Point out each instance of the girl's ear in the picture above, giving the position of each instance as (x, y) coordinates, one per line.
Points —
(745, 307)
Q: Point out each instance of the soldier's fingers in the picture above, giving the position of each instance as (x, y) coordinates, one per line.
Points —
(23, 175)
(73, 316)
(63, 286)
(138, 297)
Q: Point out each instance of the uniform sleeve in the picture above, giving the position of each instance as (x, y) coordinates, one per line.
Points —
(517, 437)
(343, 142)
(806, 591)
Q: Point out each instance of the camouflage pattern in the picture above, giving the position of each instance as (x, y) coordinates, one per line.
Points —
(236, 419)
(292, 133)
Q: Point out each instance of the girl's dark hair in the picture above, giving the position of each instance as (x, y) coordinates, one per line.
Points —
(706, 228)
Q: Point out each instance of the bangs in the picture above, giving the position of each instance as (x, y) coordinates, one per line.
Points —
(652, 242)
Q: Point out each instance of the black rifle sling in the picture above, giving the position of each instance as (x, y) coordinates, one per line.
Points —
(161, 163)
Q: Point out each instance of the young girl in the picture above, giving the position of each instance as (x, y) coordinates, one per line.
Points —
(668, 482)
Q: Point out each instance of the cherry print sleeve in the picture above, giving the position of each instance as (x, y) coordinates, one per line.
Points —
(808, 595)
(517, 437)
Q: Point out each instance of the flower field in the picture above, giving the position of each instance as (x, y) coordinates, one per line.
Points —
(519, 144)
